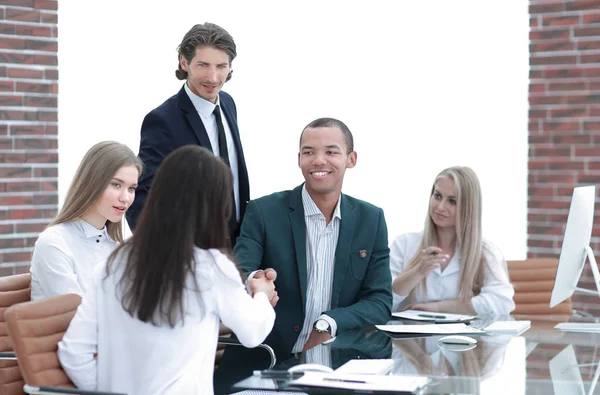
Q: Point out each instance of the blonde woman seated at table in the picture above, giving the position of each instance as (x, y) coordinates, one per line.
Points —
(90, 224)
(449, 267)
(152, 312)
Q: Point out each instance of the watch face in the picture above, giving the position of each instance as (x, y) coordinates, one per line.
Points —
(322, 325)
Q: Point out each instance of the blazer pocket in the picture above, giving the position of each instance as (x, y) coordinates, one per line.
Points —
(359, 260)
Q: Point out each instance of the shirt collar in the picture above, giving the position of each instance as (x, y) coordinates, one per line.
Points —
(89, 230)
(311, 209)
(204, 107)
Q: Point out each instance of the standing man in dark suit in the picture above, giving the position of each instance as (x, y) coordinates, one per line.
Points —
(201, 113)
(326, 251)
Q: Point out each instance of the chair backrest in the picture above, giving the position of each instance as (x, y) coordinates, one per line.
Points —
(35, 329)
(533, 280)
(13, 289)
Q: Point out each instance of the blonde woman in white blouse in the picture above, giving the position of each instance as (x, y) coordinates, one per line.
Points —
(149, 322)
(90, 224)
(449, 267)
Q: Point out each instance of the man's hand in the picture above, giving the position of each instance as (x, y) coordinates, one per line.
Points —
(315, 339)
(260, 281)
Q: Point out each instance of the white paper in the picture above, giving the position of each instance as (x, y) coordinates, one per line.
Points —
(433, 329)
(361, 382)
(578, 327)
(419, 315)
(513, 327)
(366, 366)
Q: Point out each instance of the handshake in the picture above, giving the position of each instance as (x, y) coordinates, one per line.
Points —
(264, 281)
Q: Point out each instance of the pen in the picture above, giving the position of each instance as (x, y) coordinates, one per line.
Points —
(344, 380)
(432, 316)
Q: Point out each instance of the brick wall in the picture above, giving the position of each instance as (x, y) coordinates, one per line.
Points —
(564, 123)
(28, 127)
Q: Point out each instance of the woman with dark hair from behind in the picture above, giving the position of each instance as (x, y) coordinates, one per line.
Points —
(152, 314)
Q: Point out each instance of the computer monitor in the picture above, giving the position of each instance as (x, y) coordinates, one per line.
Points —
(576, 247)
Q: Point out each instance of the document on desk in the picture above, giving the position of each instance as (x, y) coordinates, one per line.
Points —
(366, 366)
(361, 383)
(428, 316)
(430, 329)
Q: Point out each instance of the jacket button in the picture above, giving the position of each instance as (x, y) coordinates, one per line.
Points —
(296, 329)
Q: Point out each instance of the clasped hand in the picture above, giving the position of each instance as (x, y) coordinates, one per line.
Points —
(264, 281)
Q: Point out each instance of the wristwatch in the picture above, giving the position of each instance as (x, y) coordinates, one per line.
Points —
(322, 326)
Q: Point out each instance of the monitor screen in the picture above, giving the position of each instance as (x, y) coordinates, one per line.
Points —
(577, 237)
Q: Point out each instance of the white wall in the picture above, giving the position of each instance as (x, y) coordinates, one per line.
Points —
(422, 85)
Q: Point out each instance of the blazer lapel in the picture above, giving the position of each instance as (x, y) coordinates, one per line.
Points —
(194, 119)
(298, 224)
(342, 251)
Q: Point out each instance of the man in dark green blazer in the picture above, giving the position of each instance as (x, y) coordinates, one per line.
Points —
(327, 253)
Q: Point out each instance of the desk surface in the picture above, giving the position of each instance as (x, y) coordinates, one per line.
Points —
(540, 361)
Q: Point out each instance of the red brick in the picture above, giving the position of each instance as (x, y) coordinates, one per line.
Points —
(566, 86)
(18, 115)
(547, 191)
(549, 34)
(8, 28)
(588, 45)
(14, 72)
(551, 151)
(49, 186)
(22, 15)
(42, 157)
(593, 165)
(562, 72)
(537, 114)
(560, 20)
(6, 229)
(590, 126)
(533, 22)
(572, 139)
(581, 5)
(543, 8)
(45, 199)
(13, 101)
(16, 256)
(589, 58)
(46, 172)
(25, 214)
(12, 243)
(550, 46)
(588, 19)
(568, 179)
(45, 4)
(15, 43)
(3, 72)
(49, 18)
(11, 157)
(537, 87)
(17, 130)
(572, 112)
(588, 178)
(536, 74)
(50, 213)
(539, 139)
(38, 87)
(51, 74)
(539, 243)
(534, 126)
(30, 228)
(586, 31)
(35, 143)
(587, 151)
(18, 200)
(15, 172)
(18, 3)
(33, 30)
(40, 101)
(29, 186)
(3, 130)
(39, 45)
(48, 116)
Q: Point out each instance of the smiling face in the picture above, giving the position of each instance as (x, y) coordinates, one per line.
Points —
(442, 204)
(116, 199)
(323, 159)
(207, 72)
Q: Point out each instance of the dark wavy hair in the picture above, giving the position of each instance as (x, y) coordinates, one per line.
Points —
(209, 35)
(187, 207)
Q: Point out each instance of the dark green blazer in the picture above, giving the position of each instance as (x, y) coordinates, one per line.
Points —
(273, 235)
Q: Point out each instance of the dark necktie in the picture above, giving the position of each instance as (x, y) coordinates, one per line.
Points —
(224, 154)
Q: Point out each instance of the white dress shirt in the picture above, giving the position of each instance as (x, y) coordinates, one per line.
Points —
(135, 357)
(495, 297)
(205, 110)
(321, 243)
(64, 257)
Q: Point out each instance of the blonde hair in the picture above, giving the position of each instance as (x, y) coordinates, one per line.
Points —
(96, 170)
(468, 232)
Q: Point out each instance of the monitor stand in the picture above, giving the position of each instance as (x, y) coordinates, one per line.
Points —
(589, 255)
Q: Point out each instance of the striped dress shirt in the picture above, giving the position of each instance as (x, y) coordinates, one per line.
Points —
(321, 243)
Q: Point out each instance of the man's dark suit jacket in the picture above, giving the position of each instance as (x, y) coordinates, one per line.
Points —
(176, 123)
(273, 235)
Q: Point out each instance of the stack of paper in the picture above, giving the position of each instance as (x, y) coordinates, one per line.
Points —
(433, 329)
(366, 366)
(418, 315)
(361, 383)
(590, 327)
(508, 327)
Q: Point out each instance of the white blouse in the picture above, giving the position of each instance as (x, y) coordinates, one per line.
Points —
(64, 257)
(135, 357)
(495, 297)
